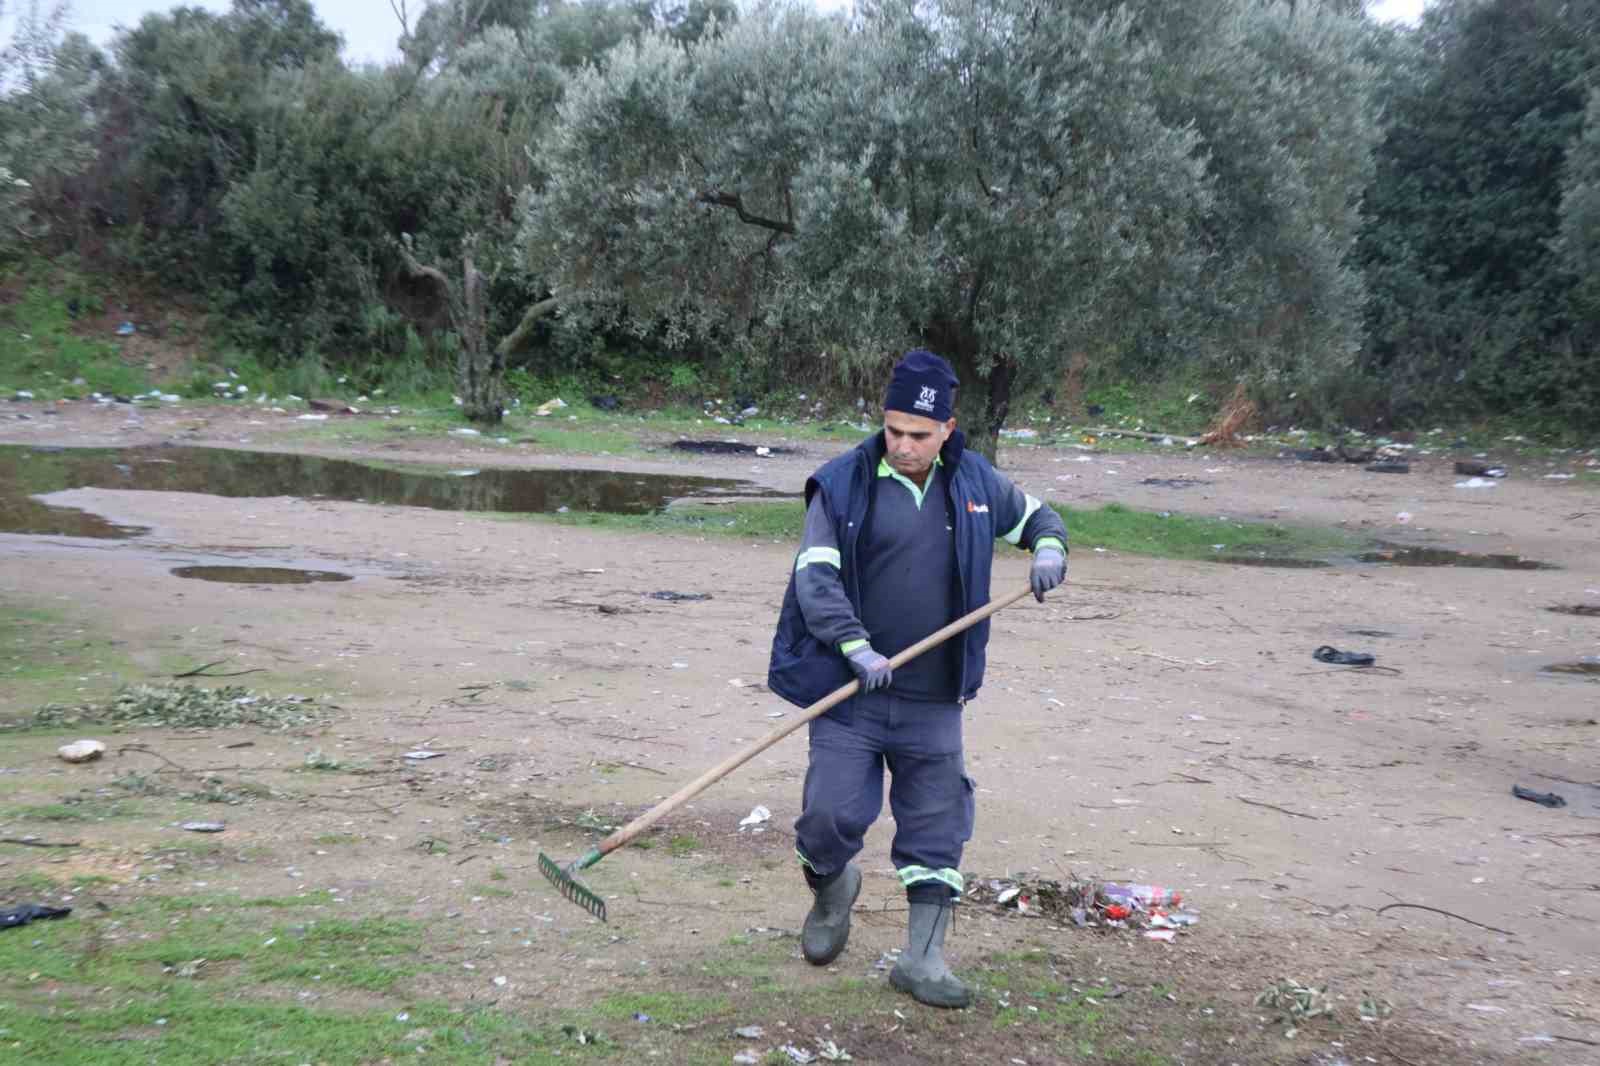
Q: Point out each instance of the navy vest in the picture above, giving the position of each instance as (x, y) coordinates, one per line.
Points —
(803, 670)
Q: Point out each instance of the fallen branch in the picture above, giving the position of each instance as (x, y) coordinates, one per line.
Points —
(42, 843)
(1275, 807)
(1447, 914)
(200, 671)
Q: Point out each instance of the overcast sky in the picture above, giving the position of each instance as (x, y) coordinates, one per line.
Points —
(370, 28)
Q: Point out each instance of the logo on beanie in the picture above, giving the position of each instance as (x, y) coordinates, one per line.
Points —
(929, 397)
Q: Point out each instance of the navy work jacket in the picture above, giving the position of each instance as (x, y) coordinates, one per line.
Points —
(802, 669)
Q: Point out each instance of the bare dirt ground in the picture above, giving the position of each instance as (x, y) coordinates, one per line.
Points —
(1154, 721)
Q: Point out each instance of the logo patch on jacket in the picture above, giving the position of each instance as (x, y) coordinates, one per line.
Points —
(977, 508)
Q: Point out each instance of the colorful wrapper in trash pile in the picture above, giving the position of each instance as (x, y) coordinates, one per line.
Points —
(1112, 904)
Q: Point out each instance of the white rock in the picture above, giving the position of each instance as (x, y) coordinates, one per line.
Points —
(81, 751)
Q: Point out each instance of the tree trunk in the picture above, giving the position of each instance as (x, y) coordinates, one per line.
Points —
(480, 369)
(984, 399)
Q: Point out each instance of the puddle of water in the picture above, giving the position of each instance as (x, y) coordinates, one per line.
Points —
(1274, 561)
(259, 575)
(26, 472)
(1446, 557)
(1583, 667)
(727, 447)
(1582, 610)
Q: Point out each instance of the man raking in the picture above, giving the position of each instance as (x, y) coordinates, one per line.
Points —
(898, 542)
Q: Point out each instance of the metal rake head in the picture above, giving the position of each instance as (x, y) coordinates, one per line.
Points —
(569, 886)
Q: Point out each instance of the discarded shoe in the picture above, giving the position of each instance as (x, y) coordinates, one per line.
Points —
(1329, 654)
(1544, 799)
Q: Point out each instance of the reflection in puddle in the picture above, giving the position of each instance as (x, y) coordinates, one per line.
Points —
(259, 575)
(1272, 561)
(26, 472)
(1446, 557)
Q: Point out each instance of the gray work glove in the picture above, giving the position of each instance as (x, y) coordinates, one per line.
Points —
(1049, 570)
(871, 668)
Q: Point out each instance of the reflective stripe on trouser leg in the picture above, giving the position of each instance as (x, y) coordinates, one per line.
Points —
(931, 796)
(918, 875)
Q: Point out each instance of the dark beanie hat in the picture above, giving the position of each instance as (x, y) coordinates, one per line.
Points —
(922, 384)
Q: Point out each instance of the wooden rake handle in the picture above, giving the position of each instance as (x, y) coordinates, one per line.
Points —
(823, 706)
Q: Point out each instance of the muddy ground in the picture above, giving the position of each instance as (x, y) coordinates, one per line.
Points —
(1155, 721)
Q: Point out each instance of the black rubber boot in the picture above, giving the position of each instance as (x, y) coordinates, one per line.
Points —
(827, 927)
(922, 971)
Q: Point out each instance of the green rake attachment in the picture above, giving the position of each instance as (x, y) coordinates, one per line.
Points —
(569, 886)
(563, 876)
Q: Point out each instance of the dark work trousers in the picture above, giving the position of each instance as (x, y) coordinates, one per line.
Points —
(929, 792)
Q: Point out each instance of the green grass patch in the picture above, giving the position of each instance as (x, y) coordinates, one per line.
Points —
(39, 353)
(46, 655)
(667, 1008)
(780, 520)
(1118, 528)
(186, 1026)
(95, 809)
(335, 839)
(1112, 527)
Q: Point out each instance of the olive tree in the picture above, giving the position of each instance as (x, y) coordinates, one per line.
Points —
(990, 178)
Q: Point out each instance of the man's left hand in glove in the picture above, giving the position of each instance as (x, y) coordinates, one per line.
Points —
(1049, 570)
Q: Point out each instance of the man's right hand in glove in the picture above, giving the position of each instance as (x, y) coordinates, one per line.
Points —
(871, 668)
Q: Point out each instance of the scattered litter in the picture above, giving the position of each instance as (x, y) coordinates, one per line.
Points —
(747, 1057)
(81, 751)
(549, 407)
(1329, 654)
(423, 753)
(1559, 477)
(127, 329)
(1404, 518)
(757, 815)
(832, 1052)
(764, 452)
(1160, 934)
(750, 1032)
(1486, 1008)
(23, 394)
(798, 1054)
(1478, 468)
(30, 912)
(463, 432)
(1543, 799)
(639, 1016)
(679, 597)
(1087, 903)
(776, 714)
(313, 418)
(203, 827)
(1476, 483)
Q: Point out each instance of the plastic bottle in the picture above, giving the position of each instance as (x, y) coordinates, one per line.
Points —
(1140, 897)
